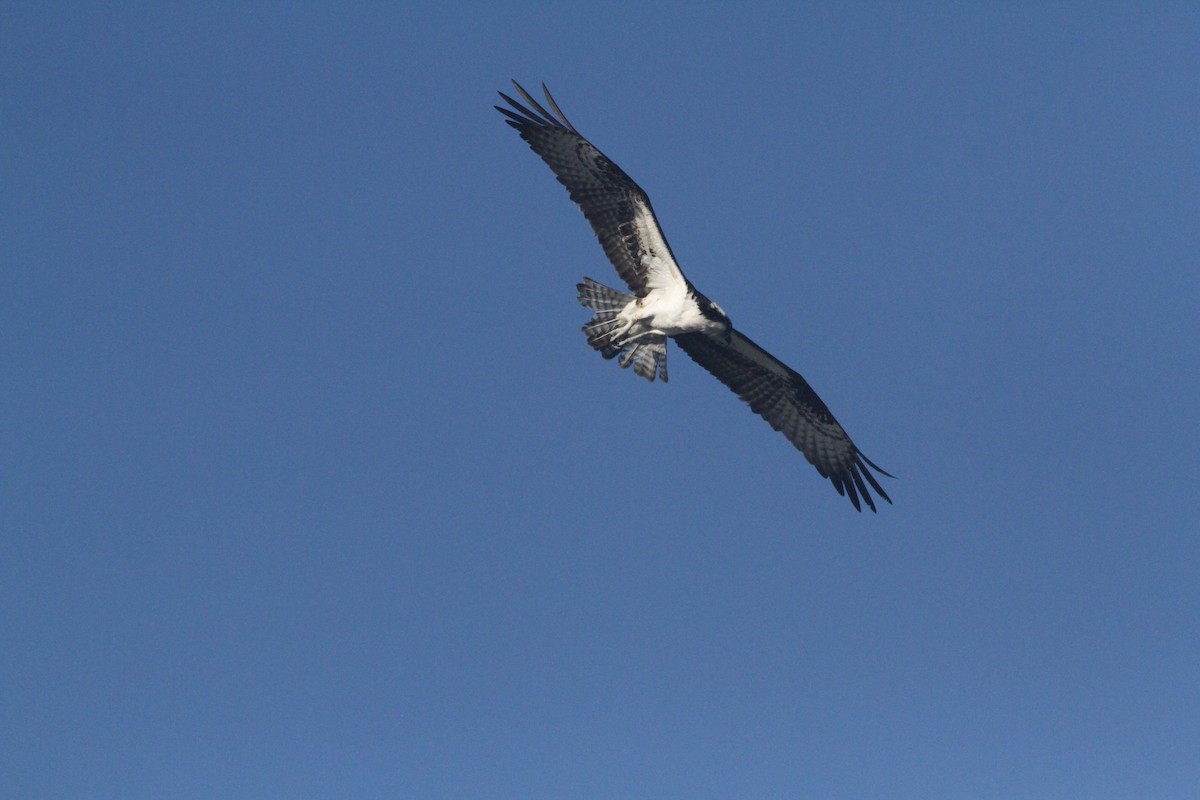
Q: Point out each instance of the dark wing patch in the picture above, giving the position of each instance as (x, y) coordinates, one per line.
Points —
(617, 208)
(784, 399)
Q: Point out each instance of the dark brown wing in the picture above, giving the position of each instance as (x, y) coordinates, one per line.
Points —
(783, 398)
(617, 208)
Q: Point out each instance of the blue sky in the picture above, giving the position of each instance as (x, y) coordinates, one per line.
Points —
(310, 486)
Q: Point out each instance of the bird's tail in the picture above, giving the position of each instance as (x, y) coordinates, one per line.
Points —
(647, 354)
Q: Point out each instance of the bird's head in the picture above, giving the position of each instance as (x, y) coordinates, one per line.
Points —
(723, 327)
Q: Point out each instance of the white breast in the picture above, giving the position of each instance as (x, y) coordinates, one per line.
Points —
(671, 312)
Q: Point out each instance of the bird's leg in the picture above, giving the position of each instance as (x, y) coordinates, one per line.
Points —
(625, 322)
(637, 336)
(617, 334)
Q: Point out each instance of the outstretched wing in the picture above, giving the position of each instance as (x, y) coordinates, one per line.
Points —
(617, 208)
(783, 398)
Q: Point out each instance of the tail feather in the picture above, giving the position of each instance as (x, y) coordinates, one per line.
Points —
(599, 297)
(647, 355)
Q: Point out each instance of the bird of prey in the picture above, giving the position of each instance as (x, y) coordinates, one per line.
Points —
(634, 328)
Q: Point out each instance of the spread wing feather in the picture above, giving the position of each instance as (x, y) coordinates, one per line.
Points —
(623, 219)
(784, 399)
(617, 208)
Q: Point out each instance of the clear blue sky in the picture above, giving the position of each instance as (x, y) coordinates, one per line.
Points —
(311, 487)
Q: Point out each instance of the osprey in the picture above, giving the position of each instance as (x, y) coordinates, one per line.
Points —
(664, 304)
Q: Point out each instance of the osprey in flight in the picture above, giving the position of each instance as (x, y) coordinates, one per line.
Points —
(665, 304)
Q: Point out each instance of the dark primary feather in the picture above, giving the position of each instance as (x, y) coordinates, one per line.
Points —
(609, 198)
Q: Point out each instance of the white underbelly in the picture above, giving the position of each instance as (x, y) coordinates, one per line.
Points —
(669, 313)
